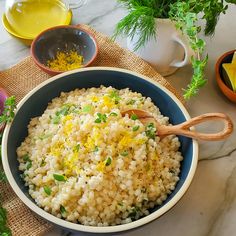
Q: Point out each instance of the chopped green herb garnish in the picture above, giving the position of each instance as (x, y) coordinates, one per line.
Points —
(98, 121)
(135, 128)
(101, 118)
(96, 149)
(131, 102)
(44, 136)
(108, 161)
(87, 108)
(77, 148)
(59, 177)
(47, 190)
(26, 157)
(115, 96)
(133, 117)
(64, 111)
(151, 131)
(56, 120)
(28, 164)
(124, 153)
(133, 212)
(62, 210)
(43, 162)
(113, 114)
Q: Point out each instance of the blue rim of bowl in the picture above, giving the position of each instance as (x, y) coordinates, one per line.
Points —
(95, 229)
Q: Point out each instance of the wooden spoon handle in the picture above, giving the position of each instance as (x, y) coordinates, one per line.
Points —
(183, 128)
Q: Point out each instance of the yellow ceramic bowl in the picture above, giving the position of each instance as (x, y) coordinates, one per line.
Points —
(26, 40)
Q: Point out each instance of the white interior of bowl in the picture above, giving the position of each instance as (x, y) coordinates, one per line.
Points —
(93, 229)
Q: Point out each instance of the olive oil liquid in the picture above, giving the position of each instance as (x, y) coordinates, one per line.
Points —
(30, 17)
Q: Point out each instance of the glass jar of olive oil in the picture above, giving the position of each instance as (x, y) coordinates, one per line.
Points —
(29, 17)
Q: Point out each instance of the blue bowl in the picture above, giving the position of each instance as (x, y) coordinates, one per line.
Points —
(34, 104)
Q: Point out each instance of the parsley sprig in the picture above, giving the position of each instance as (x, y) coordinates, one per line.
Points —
(101, 118)
(8, 112)
(4, 230)
(6, 116)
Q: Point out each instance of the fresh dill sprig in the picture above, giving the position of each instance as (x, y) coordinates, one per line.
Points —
(141, 20)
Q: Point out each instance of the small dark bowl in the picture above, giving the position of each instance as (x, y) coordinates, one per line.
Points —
(63, 38)
(221, 81)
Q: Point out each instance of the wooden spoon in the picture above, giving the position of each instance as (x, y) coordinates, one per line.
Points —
(184, 128)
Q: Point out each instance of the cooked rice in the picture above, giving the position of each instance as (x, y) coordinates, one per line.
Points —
(85, 163)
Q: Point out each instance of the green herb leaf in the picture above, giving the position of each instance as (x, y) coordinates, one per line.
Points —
(43, 162)
(98, 120)
(113, 114)
(96, 149)
(47, 190)
(135, 128)
(108, 161)
(28, 164)
(101, 118)
(44, 136)
(62, 210)
(134, 211)
(115, 96)
(64, 110)
(124, 153)
(60, 178)
(133, 117)
(150, 131)
(3, 216)
(131, 102)
(56, 120)
(26, 157)
(77, 148)
(4, 230)
(87, 108)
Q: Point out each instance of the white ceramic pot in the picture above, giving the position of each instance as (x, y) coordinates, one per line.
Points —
(168, 52)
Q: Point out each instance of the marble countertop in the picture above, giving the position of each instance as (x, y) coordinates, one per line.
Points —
(209, 206)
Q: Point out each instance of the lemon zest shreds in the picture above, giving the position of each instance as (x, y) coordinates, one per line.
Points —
(65, 61)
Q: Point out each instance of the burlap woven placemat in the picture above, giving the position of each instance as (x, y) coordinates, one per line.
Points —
(24, 76)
